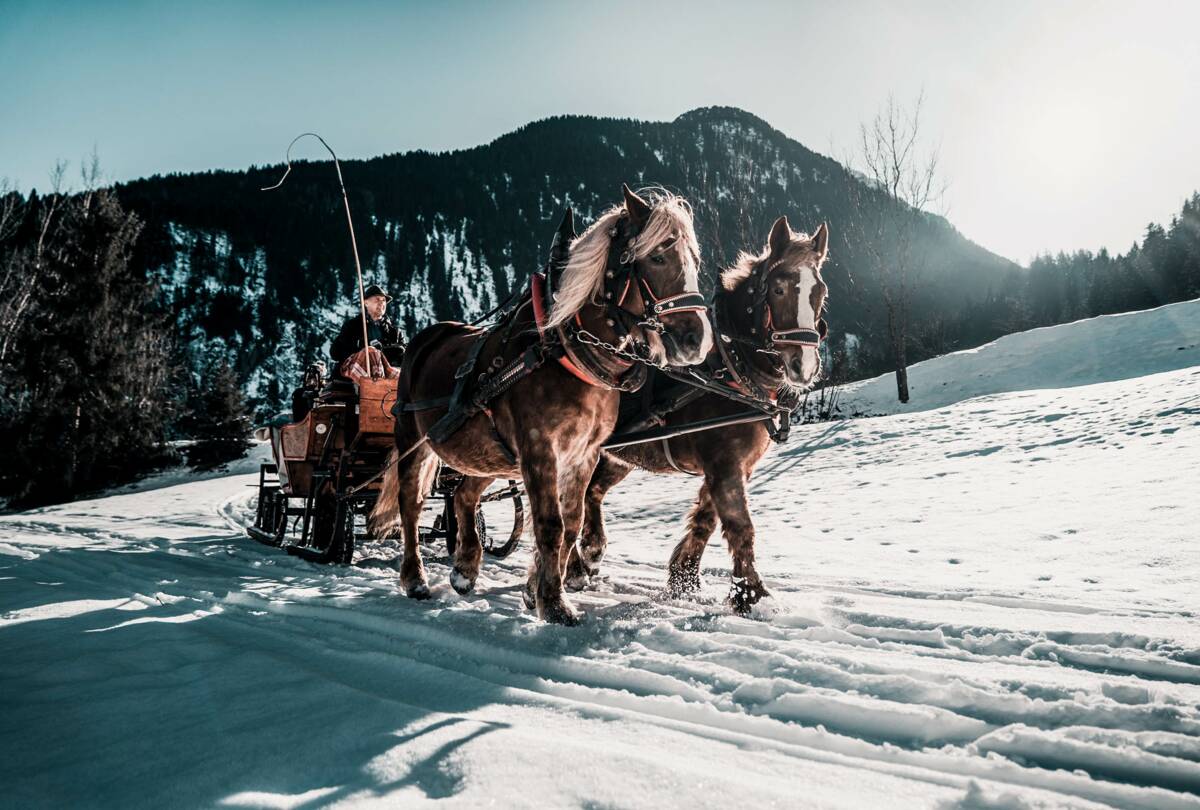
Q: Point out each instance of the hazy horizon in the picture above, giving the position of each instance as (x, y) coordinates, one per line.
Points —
(1061, 127)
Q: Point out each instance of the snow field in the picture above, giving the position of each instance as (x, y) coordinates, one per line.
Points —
(990, 604)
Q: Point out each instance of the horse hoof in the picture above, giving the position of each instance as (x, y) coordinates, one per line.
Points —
(527, 596)
(461, 582)
(577, 575)
(559, 612)
(420, 591)
(744, 596)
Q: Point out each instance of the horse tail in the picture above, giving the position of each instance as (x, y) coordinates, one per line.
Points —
(384, 520)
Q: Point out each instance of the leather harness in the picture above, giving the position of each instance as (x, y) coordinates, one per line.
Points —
(729, 374)
(584, 358)
(592, 361)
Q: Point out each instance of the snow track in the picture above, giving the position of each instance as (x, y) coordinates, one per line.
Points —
(987, 605)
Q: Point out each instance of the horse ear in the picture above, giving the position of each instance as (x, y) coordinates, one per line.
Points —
(639, 209)
(566, 228)
(780, 238)
(820, 242)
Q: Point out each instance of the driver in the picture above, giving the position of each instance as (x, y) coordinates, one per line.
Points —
(382, 332)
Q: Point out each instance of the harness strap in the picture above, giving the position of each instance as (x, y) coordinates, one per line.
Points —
(458, 410)
(421, 405)
(539, 315)
(666, 445)
(567, 353)
(797, 337)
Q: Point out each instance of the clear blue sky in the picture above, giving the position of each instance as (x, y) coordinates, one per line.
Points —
(1062, 125)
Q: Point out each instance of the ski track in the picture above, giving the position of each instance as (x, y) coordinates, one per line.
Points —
(955, 622)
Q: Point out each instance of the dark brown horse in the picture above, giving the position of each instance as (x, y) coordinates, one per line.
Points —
(768, 329)
(629, 280)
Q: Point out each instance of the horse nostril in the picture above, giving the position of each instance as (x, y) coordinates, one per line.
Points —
(797, 366)
(691, 340)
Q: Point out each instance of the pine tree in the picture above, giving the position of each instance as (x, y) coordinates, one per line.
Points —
(85, 400)
(216, 419)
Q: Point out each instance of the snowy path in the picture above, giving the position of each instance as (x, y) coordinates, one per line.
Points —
(992, 604)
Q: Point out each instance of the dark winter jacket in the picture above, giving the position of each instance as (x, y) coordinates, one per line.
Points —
(383, 334)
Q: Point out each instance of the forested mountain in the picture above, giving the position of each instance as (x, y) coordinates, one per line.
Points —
(263, 277)
(153, 309)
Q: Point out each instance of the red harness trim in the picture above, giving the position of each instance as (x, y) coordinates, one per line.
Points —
(742, 389)
(537, 286)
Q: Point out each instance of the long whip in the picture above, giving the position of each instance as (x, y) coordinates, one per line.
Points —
(362, 300)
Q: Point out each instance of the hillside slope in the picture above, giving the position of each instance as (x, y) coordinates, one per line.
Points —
(1110, 347)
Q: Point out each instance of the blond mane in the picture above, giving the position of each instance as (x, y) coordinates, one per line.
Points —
(583, 276)
(800, 248)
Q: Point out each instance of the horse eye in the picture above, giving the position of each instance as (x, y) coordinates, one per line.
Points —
(779, 290)
(657, 259)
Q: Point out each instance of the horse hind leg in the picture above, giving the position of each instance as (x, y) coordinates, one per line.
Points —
(585, 555)
(683, 571)
(414, 475)
(469, 551)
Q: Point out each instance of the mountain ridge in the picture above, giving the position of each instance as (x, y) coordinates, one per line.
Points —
(265, 276)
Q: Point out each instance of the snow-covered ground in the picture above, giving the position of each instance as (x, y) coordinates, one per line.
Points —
(1111, 347)
(991, 604)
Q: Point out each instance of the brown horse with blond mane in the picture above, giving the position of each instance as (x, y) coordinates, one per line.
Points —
(768, 325)
(628, 292)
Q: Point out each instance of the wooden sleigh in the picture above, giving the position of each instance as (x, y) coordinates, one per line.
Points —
(314, 499)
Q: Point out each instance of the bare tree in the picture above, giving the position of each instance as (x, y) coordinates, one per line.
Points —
(23, 270)
(900, 187)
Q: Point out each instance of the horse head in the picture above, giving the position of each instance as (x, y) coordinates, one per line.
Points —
(640, 261)
(776, 300)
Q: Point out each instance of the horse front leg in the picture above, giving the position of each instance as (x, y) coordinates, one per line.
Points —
(468, 553)
(683, 572)
(539, 468)
(729, 497)
(585, 555)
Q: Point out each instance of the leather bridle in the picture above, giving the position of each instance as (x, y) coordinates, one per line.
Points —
(764, 338)
(797, 335)
(623, 275)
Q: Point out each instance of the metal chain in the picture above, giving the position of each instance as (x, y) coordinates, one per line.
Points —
(584, 336)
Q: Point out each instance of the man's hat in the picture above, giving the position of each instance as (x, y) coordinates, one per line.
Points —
(374, 290)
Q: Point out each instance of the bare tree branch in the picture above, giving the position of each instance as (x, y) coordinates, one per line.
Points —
(901, 186)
